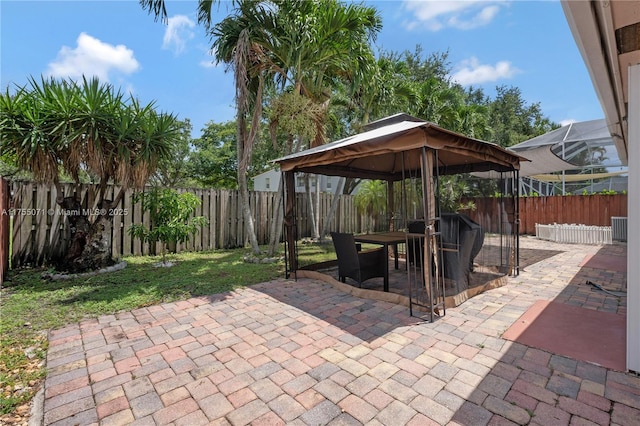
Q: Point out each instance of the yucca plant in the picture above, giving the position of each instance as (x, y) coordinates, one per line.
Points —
(85, 128)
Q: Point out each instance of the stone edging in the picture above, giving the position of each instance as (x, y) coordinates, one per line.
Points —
(398, 299)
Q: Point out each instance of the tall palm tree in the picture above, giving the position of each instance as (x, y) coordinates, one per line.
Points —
(316, 45)
(54, 126)
(300, 46)
(320, 43)
(239, 41)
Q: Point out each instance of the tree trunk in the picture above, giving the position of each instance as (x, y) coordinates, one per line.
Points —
(97, 252)
(244, 159)
(90, 247)
(312, 206)
(246, 212)
(316, 225)
(275, 229)
(332, 210)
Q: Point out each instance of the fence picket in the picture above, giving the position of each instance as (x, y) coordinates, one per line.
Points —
(41, 232)
(23, 225)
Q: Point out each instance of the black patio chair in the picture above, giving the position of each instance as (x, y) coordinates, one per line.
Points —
(359, 266)
(462, 240)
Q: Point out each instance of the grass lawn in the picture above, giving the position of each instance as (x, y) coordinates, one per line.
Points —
(30, 305)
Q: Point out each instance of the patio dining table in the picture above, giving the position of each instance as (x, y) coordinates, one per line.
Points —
(385, 239)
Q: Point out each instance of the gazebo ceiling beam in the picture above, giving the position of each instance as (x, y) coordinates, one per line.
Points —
(350, 172)
(474, 167)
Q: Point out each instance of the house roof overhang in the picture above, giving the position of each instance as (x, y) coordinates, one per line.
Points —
(607, 34)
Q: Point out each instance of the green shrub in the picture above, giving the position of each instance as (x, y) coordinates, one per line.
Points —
(171, 217)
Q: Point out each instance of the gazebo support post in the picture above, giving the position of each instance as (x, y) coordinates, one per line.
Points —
(390, 205)
(434, 284)
(516, 178)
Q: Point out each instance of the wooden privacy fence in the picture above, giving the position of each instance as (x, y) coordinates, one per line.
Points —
(40, 230)
(4, 228)
(594, 210)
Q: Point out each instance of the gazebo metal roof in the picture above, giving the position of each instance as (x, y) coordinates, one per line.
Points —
(390, 152)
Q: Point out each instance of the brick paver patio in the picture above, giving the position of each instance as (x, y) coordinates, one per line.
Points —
(304, 353)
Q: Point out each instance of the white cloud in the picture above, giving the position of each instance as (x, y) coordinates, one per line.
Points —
(208, 63)
(435, 15)
(92, 57)
(178, 32)
(471, 71)
(209, 58)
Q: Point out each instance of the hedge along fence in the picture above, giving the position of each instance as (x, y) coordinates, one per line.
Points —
(41, 232)
(595, 210)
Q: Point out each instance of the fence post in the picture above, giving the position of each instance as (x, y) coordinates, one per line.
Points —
(4, 228)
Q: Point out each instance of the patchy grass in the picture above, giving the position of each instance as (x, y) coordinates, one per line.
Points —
(315, 252)
(30, 306)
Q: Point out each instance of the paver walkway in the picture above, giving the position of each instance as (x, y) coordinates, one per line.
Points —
(303, 353)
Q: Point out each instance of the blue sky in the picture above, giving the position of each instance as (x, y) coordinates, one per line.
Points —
(526, 44)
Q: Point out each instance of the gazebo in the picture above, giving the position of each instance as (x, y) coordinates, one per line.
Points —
(398, 148)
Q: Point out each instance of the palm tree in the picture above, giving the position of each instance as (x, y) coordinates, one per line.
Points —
(371, 200)
(438, 102)
(299, 46)
(321, 43)
(388, 91)
(239, 42)
(316, 45)
(87, 127)
(473, 121)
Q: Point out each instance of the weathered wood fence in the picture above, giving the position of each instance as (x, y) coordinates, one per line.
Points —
(4, 228)
(40, 230)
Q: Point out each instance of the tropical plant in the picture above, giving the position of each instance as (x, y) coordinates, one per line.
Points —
(451, 190)
(214, 159)
(175, 170)
(88, 128)
(320, 44)
(171, 217)
(371, 200)
(300, 47)
(239, 42)
(513, 121)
